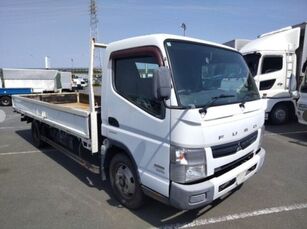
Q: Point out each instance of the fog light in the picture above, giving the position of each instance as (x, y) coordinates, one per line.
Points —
(198, 198)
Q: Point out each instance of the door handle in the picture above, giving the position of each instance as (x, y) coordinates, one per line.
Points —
(113, 122)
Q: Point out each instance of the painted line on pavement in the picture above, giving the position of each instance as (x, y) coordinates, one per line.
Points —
(265, 211)
(26, 152)
(4, 146)
(14, 127)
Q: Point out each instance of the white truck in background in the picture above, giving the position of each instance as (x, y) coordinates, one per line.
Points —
(179, 119)
(272, 58)
(237, 43)
(300, 95)
(66, 81)
(78, 83)
(40, 80)
(26, 81)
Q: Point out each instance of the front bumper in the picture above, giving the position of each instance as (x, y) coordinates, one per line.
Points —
(184, 196)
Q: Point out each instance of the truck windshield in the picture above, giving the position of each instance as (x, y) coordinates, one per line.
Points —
(252, 61)
(202, 72)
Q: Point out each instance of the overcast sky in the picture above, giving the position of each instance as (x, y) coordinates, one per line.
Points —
(33, 29)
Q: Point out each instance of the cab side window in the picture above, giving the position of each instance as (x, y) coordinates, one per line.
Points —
(271, 64)
(133, 79)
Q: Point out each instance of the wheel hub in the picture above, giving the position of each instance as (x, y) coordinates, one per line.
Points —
(280, 114)
(124, 181)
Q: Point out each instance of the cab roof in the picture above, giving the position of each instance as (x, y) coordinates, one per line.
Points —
(156, 40)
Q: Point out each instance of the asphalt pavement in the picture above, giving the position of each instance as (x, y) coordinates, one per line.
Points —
(44, 189)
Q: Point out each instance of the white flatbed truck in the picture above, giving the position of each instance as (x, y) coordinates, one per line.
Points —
(179, 119)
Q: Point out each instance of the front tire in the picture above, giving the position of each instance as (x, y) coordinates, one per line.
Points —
(279, 114)
(125, 183)
(5, 101)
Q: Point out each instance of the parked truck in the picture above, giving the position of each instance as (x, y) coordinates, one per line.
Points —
(237, 43)
(272, 58)
(300, 95)
(6, 93)
(78, 83)
(27, 81)
(179, 119)
(66, 81)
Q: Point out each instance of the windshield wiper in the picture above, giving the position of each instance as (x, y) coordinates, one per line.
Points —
(250, 94)
(213, 99)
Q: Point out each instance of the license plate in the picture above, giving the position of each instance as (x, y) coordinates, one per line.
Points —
(240, 177)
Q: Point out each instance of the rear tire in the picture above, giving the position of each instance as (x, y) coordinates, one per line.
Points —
(6, 101)
(124, 182)
(279, 114)
(36, 137)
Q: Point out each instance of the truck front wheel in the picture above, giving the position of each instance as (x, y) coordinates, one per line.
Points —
(124, 182)
(5, 101)
(279, 114)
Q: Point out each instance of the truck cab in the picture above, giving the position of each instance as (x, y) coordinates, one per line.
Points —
(192, 146)
(272, 60)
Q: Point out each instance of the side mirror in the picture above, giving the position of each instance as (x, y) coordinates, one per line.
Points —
(292, 86)
(162, 83)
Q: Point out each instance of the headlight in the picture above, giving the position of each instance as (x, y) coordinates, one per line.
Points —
(302, 106)
(187, 164)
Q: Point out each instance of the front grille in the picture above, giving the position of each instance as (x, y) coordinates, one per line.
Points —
(233, 147)
(226, 168)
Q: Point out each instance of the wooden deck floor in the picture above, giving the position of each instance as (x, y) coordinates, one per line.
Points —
(80, 106)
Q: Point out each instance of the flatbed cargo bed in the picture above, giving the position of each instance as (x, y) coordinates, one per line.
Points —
(66, 111)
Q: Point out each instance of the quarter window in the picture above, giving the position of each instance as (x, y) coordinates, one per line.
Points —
(271, 64)
(134, 81)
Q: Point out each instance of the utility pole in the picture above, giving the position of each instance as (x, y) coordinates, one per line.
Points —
(184, 27)
(94, 30)
(93, 20)
(72, 66)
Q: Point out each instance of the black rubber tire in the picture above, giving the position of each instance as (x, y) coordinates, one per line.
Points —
(279, 114)
(35, 130)
(6, 101)
(136, 200)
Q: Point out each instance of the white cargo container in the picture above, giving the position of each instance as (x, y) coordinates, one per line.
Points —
(40, 80)
(237, 43)
(66, 81)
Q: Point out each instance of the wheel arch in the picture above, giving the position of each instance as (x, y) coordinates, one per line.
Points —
(114, 148)
(289, 103)
(289, 108)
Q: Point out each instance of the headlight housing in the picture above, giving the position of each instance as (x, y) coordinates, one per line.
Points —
(187, 165)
